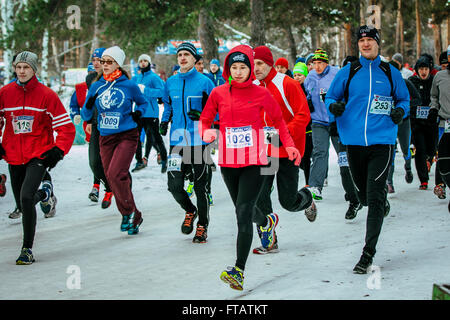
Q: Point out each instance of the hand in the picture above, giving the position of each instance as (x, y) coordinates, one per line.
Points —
(136, 115)
(210, 135)
(432, 116)
(89, 128)
(52, 156)
(163, 128)
(274, 139)
(142, 87)
(77, 119)
(337, 108)
(91, 101)
(397, 115)
(2, 152)
(194, 115)
(294, 154)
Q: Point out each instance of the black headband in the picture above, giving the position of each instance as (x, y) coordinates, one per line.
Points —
(238, 57)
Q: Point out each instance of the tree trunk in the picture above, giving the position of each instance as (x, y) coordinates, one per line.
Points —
(55, 55)
(206, 35)
(353, 28)
(418, 32)
(348, 40)
(436, 34)
(292, 44)
(258, 29)
(44, 59)
(95, 42)
(398, 29)
(6, 7)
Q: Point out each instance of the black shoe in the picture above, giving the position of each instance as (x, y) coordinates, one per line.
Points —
(409, 176)
(352, 211)
(188, 222)
(387, 208)
(364, 263)
(163, 166)
(306, 199)
(200, 234)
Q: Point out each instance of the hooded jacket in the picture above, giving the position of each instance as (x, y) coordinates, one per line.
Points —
(114, 104)
(440, 95)
(241, 139)
(293, 105)
(32, 114)
(424, 88)
(154, 89)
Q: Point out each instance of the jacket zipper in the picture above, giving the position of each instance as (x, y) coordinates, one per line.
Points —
(368, 103)
(184, 112)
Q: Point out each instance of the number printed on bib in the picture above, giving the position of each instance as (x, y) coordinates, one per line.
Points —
(342, 159)
(174, 162)
(110, 120)
(381, 105)
(422, 112)
(269, 132)
(240, 137)
(22, 124)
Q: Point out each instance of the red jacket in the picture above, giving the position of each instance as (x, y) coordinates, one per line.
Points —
(241, 140)
(32, 114)
(81, 90)
(294, 107)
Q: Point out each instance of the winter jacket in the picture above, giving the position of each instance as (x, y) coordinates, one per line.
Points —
(294, 107)
(419, 113)
(440, 95)
(114, 104)
(154, 88)
(316, 86)
(184, 92)
(76, 103)
(366, 120)
(216, 78)
(241, 140)
(33, 113)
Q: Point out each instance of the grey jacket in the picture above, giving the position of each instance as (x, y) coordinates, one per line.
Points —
(440, 94)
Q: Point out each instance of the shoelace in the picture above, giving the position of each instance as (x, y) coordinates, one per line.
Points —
(200, 231)
(188, 219)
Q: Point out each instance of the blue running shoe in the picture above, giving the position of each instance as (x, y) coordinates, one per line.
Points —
(26, 257)
(268, 236)
(134, 225)
(190, 189)
(48, 204)
(210, 198)
(126, 223)
(234, 277)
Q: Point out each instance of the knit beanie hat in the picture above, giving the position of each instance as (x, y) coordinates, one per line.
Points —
(27, 57)
(301, 68)
(90, 67)
(368, 31)
(116, 53)
(263, 53)
(398, 57)
(215, 61)
(98, 53)
(282, 62)
(189, 47)
(443, 57)
(300, 59)
(423, 62)
(145, 57)
(308, 58)
(320, 55)
(239, 57)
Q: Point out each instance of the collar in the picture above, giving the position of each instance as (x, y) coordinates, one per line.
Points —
(268, 79)
(31, 84)
(190, 73)
(367, 62)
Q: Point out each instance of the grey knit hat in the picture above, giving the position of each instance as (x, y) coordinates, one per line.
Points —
(29, 58)
(398, 57)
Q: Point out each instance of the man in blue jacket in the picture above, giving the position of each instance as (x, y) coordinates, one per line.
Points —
(185, 95)
(215, 74)
(152, 87)
(368, 110)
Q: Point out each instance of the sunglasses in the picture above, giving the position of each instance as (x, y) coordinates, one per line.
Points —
(109, 62)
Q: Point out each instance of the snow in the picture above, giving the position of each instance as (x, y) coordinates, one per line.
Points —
(160, 263)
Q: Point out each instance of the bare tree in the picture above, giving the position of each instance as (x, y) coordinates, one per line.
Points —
(206, 35)
(258, 30)
(436, 34)
(418, 31)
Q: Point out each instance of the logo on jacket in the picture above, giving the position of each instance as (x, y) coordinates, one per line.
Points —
(112, 99)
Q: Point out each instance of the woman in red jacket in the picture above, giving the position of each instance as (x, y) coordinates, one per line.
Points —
(242, 151)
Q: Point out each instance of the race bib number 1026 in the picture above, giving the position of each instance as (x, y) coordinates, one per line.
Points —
(240, 137)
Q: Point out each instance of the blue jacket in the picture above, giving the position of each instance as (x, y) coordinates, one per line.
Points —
(366, 120)
(315, 84)
(114, 104)
(73, 106)
(154, 88)
(183, 92)
(216, 78)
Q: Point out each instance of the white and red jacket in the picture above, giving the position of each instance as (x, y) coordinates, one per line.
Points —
(33, 113)
(294, 107)
(239, 105)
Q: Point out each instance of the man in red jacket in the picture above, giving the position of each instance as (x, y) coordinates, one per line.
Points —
(295, 110)
(32, 113)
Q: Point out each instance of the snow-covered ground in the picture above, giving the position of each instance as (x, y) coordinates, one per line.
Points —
(83, 242)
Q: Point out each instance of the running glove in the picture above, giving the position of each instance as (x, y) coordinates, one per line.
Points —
(397, 115)
(194, 115)
(432, 116)
(337, 108)
(2, 151)
(136, 115)
(163, 128)
(51, 157)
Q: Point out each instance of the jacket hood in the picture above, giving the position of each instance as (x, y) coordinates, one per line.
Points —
(248, 51)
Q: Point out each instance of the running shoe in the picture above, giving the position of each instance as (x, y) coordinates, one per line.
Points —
(188, 223)
(234, 277)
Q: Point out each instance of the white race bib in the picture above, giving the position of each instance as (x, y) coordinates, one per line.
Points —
(269, 132)
(422, 112)
(110, 120)
(174, 162)
(447, 126)
(342, 159)
(240, 137)
(22, 124)
(381, 105)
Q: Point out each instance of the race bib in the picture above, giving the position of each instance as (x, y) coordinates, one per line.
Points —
(447, 126)
(110, 120)
(422, 112)
(381, 105)
(174, 162)
(342, 159)
(322, 93)
(268, 133)
(22, 124)
(240, 137)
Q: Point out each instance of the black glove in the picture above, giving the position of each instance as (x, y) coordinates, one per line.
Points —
(136, 115)
(163, 128)
(91, 101)
(311, 106)
(194, 115)
(160, 101)
(337, 108)
(52, 156)
(432, 116)
(397, 115)
(2, 152)
(333, 129)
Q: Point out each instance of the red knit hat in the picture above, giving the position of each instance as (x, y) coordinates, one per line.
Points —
(282, 62)
(263, 53)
